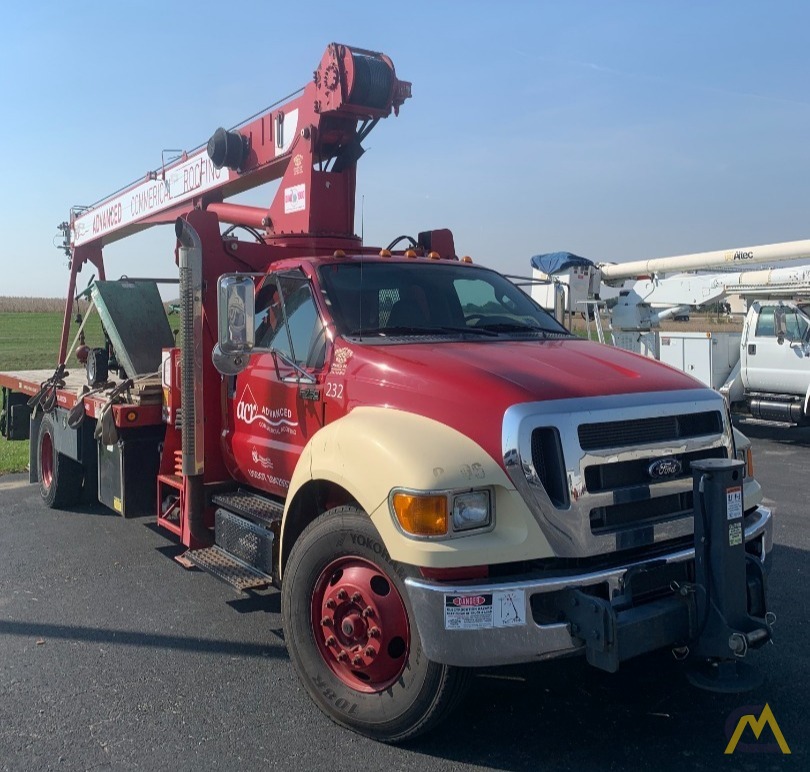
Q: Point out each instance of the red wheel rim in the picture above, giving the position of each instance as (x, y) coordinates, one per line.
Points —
(360, 624)
(46, 460)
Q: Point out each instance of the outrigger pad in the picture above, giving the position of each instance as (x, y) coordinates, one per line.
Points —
(133, 316)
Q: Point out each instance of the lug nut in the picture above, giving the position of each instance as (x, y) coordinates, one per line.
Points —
(331, 640)
(342, 595)
(368, 612)
(357, 660)
(374, 632)
(331, 603)
(326, 621)
(343, 656)
(369, 652)
(356, 597)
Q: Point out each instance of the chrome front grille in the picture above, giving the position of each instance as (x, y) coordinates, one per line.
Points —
(621, 434)
(584, 465)
(633, 472)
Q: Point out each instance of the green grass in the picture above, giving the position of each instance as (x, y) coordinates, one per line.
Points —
(30, 341)
(13, 456)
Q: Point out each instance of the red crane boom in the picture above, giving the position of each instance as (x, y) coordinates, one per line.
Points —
(311, 142)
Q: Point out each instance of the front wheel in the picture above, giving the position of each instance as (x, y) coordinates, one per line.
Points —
(349, 631)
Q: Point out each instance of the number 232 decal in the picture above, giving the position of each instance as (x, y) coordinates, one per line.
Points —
(334, 390)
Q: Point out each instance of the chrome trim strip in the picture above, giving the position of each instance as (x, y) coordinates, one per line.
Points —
(530, 641)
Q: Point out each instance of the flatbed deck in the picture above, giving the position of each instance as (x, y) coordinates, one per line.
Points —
(142, 406)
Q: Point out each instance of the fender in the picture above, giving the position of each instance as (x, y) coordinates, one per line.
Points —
(372, 450)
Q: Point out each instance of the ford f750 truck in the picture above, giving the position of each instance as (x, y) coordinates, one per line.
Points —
(436, 474)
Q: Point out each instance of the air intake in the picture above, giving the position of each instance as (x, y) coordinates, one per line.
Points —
(549, 465)
(619, 434)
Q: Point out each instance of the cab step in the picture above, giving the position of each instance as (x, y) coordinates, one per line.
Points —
(224, 566)
(259, 509)
(245, 551)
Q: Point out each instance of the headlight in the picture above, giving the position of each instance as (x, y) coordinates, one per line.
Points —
(439, 514)
(471, 510)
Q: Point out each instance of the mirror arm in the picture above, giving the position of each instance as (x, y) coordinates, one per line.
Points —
(290, 363)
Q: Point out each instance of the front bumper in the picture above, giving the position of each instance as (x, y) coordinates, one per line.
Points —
(494, 623)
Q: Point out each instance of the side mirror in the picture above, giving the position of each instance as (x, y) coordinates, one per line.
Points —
(235, 322)
(779, 324)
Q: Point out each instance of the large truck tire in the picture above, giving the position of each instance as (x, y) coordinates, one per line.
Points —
(60, 477)
(350, 635)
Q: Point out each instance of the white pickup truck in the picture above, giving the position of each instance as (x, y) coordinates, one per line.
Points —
(764, 371)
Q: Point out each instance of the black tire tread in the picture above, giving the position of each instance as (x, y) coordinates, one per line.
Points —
(451, 682)
(68, 475)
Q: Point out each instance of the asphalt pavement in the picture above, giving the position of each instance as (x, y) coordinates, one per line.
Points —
(112, 656)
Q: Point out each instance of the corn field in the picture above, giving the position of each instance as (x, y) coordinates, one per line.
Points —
(22, 305)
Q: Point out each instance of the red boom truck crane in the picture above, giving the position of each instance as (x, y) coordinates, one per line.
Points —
(436, 474)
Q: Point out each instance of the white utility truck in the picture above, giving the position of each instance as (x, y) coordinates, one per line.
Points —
(763, 370)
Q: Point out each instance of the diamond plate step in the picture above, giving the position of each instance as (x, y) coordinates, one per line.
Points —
(227, 568)
(252, 506)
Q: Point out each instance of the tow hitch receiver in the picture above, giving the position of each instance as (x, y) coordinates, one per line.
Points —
(719, 613)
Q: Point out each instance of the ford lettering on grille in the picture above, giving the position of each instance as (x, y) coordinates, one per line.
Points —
(664, 467)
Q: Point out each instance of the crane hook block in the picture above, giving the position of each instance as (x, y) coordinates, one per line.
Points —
(228, 148)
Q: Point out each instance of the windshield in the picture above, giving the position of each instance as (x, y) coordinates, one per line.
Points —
(382, 299)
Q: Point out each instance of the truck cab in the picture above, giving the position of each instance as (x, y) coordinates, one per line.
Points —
(775, 348)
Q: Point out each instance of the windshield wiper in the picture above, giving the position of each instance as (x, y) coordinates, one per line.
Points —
(414, 330)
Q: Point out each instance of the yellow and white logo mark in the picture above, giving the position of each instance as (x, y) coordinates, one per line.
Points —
(766, 718)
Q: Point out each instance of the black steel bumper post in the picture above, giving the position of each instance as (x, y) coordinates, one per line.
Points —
(729, 583)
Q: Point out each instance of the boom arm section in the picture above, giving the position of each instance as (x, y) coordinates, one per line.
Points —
(311, 142)
(616, 273)
(351, 90)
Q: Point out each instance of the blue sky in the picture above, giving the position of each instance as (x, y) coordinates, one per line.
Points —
(617, 130)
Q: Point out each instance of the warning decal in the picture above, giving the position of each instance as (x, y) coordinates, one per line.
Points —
(734, 534)
(734, 503)
(503, 608)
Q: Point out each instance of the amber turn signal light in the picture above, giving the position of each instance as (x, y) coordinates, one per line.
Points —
(421, 515)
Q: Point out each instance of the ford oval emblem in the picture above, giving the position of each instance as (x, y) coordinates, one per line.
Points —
(664, 467)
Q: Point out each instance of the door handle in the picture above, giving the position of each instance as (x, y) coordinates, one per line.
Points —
(752, 348)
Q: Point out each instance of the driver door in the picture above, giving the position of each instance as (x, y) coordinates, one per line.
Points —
(276, 403)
